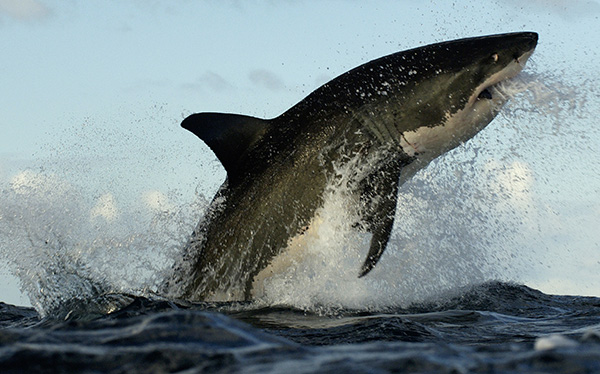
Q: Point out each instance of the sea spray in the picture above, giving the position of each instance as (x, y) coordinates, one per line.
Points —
(448, 234)
(494, 208)
(88, 218)
(471, 216)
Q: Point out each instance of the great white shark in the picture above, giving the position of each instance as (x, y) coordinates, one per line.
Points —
(393, 115)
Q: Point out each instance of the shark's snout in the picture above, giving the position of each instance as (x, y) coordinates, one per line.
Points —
(532, 38)
(526, 41)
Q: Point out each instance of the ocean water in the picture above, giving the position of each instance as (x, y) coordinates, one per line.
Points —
(91, 247)
(493, 327)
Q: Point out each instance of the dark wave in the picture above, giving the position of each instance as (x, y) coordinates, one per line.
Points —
(490, 327)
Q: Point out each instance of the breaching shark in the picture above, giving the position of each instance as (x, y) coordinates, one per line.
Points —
(394, 114)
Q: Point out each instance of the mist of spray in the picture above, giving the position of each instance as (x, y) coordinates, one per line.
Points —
(483, 211)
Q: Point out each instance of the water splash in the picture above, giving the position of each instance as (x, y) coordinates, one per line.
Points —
(478, 213)
(493, 209)
(447, 234)
(70, 231)
(63, 246)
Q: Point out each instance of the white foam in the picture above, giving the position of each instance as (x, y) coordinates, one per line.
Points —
(555, 341)
(62, 243)
(437, 245)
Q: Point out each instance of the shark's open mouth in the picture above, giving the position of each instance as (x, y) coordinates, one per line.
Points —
(506, 89)
(498, 91)
(485, 94)
(492, 89)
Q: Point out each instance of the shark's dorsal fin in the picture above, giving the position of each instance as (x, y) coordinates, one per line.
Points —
(230, 136)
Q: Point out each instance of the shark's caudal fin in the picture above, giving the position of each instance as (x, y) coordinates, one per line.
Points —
(230, 136)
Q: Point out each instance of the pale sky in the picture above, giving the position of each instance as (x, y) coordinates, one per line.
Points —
(95, 91)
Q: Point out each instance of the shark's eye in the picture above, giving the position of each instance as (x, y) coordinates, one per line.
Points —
(495, 57)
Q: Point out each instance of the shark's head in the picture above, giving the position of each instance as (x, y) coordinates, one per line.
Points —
(442, 94)
(498, 58)
(479, 65)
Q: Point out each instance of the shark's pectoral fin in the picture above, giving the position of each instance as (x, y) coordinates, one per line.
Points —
(381, 235)
(380, 195)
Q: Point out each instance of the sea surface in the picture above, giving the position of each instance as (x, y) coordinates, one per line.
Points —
(491, 327)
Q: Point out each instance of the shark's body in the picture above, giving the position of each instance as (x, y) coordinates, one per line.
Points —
(396, 113)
